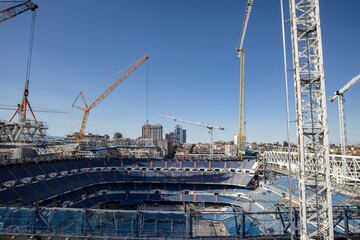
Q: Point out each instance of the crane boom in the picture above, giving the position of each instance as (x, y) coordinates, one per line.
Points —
(10, 12)
(248, 9)
(87, 107)
(347, 86)
(201, 124)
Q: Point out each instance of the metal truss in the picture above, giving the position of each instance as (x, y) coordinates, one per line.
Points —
(279, 159)
(312, 126)
(22, 132)
(57, 149)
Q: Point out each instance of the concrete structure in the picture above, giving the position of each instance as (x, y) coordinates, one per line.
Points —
(154, 132)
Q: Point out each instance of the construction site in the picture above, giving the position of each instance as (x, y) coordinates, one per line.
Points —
(164, 186)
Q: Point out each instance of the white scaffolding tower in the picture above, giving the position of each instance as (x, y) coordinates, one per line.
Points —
(312, 127)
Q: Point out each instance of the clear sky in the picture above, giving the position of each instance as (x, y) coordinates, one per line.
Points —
(193, 70)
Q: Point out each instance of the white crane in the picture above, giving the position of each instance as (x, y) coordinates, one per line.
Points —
(201, 124)
(341, 107)
(341, 101)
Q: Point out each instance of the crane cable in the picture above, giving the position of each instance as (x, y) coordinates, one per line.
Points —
(287, 108)
(147, 92)
(31, 43)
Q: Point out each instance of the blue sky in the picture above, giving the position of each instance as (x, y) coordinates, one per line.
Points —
(193, 70)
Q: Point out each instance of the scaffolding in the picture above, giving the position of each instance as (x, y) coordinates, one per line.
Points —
(312, 126)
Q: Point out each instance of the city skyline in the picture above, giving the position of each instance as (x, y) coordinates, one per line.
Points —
(178, 84)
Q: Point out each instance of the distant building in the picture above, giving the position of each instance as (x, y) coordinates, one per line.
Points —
(154, 132)
(230, 150)
(170, 137)
(235, 139)
(184, 136)
(180, 134)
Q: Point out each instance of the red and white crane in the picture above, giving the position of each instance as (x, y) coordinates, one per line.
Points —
(9, 13)
(13, 11)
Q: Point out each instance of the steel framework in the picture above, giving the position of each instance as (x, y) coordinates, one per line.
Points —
(8, 13)
(141, 224)
(312, 127)
(22, 132)
(280, 160)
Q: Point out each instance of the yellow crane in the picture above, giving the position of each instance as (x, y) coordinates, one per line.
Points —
(241, 136)
(87, 107)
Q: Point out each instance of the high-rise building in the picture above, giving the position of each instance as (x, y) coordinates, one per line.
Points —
(184, 135)
(180, 134)
(177, 136)
(154, 132)
(170, 137)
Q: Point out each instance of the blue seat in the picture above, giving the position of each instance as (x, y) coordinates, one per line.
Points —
(6, 176)
(19, 171)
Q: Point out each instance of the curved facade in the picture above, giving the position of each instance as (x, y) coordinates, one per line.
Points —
(64, 183)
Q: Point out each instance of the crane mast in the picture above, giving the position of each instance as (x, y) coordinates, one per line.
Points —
(241, 136)
(10, 12)
(101, 97)
(315, 201)
(200, 124)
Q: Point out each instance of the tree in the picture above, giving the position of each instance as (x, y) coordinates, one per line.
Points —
(117, 135)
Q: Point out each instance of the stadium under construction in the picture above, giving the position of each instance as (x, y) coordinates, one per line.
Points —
(87, 187)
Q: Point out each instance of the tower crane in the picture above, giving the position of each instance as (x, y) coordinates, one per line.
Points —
(341, 101)
(241, 136)
(201, 124)
(10, 12)
(101, 97)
